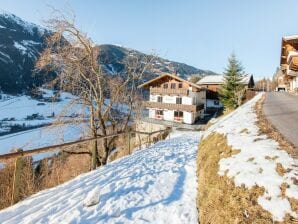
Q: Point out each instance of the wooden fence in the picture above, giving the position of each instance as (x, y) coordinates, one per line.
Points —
(152, 137)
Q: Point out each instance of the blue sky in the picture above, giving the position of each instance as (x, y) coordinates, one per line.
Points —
(202, 33)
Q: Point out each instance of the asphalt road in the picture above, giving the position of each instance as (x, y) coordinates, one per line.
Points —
(281, 109)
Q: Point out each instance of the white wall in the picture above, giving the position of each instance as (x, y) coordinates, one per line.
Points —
(294, 83)
(193, 98)
(187, 100)
(210, 103)
(168, 115)
(153, 98)
(188, 117)
(151, 113)
(199, 97)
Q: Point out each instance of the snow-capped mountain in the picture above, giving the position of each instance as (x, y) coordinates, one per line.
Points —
(21, 43)
(112, 56)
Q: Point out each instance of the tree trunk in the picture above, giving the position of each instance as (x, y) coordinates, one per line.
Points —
(94, 155)
(105, 152)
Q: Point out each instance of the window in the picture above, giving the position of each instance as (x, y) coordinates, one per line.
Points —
(178, 100)
(159, 99)
(180, 85)
(178, 114)
(173, 85)
(216, 102)
(165, 86)
(159, 112)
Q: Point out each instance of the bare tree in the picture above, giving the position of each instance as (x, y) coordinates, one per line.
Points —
(111, 98)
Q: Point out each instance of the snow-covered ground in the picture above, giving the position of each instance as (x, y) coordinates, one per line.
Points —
(154, 185)
(16, 109)
(41, 137)
(257, 160)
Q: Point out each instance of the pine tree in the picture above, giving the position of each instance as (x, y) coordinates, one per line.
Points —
(232, 90)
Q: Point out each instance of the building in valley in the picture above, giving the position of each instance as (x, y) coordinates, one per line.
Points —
(212, 84)
(172, 98)
(289, 62)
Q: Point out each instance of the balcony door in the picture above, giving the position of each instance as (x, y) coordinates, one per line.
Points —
(159, 114)
(178, 116)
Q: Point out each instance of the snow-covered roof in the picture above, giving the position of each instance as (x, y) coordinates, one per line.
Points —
(214, 79)
(292, 37)
(219, 79)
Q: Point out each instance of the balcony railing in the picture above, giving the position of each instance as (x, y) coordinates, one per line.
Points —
(169, 91)
(173, 106)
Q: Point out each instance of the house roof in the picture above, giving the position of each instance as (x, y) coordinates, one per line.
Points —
(292, 37)
(219, 79)
(287, 40)
(146, 84)
(211, 79)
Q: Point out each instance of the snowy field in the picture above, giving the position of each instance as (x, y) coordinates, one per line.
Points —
(154, 185)
(257, 161)
(16, 109)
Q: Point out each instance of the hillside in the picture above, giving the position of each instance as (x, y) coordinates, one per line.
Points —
(244, 175)
(112, 56)
(144, 187)
(21, 43)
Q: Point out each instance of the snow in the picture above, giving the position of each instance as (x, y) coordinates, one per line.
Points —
(6, 56)
(291, 37)
(211, 79)
(15, 109)
(218, 79)
(41, 137)
(257, 160)
(20, 47)
(154, 185)
(30, 27)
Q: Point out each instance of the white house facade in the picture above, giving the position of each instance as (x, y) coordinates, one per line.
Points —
(174, 99)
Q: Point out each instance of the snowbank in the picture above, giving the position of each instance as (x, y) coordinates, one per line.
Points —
(257, 161)
(153, 185)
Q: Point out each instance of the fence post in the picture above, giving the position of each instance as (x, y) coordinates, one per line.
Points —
(16, 184)
(128, 142)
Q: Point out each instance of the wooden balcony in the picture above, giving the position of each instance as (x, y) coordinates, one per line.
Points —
(168, 91)
(172, 106)
(293, 64)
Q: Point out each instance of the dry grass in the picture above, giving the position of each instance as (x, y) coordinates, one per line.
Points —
(219, 200)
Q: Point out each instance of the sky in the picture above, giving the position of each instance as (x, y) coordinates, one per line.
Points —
(201, 33)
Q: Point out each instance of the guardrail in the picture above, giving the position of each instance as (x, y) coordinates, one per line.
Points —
(16, 157)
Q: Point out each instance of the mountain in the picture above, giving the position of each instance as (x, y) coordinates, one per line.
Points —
(112, 56)
(21, 43)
